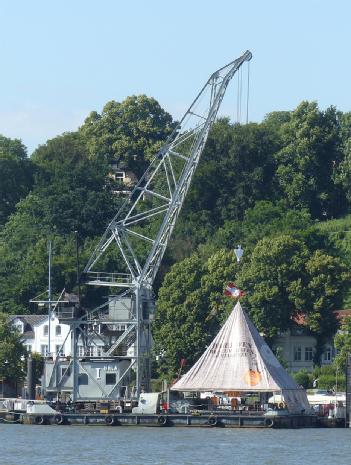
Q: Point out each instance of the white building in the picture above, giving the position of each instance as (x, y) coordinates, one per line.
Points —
(297, 346)
(35, 330)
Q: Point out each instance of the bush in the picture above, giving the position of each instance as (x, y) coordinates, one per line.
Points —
(156, 385)
(303, 378)
(329, 382)
(328, 376)
(324, 370)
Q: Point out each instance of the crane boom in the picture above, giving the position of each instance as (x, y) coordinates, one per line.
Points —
(143, 225)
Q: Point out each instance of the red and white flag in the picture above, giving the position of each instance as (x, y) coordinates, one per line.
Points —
(233, 291)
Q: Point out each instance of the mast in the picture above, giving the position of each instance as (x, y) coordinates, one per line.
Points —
(50, 299)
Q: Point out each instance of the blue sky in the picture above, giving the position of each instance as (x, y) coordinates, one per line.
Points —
(62, 59)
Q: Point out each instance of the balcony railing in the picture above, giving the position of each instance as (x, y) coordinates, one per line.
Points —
(96, 278)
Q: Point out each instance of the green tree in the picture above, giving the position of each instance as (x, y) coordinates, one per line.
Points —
(267, 219)
(342, 342)
(39, 366)
(329, 377)
(178, 330)
(73, 191)
(129, 132)
(270, 219)
(12, 149)
(308, 160)
(237, 169)
(337, 242)
(191, 307)
(275, 269)
(24, 263)
(12, 352)
(327, 280)
(276, 119)
(16, 175)
(303, 378)
(343, 171)
(283, 279)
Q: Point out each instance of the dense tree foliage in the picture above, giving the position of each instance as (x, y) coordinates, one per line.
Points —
(308, 161)
(280, 188)
(16, 176)
(130, 132)
(343, 169)
(236, 170)
(73, 190)
(270, 276)
(12, 352)
(343, 343)
(190, 308)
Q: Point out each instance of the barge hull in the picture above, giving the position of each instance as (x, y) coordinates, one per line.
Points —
(182, 420)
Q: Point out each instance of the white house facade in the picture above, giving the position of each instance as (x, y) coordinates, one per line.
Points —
(297, 348)
(36, 330)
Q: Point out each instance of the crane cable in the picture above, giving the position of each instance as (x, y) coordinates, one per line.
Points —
(239, 100)
(248, 92)
(239, 97)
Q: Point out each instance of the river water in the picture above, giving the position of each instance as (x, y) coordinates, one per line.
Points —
(101, 445)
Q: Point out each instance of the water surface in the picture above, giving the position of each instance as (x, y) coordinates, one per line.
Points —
(102, 445)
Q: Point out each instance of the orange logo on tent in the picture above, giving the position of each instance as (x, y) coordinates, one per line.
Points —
(252, 377)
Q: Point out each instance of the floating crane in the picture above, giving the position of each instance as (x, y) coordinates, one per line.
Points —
(136, 239)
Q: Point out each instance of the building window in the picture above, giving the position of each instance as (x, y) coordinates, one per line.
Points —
(59, 350)
(327, 355)
(308, 354)
(98, 373)
(110, 379)
(44, 350)
(83, 379)
(46, 330)
(120, 175)
(90, 351)
(58, 330)
(80, 351)
(297, 354)
(29, 348)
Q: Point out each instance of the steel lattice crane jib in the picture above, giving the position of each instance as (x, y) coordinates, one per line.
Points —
(139, 233)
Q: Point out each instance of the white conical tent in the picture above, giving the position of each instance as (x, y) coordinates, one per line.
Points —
(238, 359)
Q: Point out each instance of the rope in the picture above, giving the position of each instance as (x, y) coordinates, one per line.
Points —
(248, 92)
(241, 91)
(239, 95)
(237, 99)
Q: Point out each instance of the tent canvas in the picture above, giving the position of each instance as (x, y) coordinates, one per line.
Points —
(238, 359)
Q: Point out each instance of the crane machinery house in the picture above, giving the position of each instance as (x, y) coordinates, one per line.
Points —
(95, 369)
